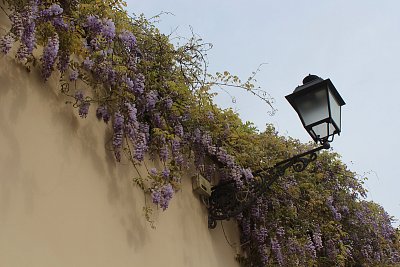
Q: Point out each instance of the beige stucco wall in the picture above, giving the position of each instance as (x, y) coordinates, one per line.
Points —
(65, 202)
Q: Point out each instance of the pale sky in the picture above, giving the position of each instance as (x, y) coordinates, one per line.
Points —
(354, 43)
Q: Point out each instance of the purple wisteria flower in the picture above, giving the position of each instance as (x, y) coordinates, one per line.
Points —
(276, 248)
(145, 129)
(132, 125)
(74, 75)
(59, 23)
(206, 139)
(280, 231)
(82, 104)
(53, 14)
(262, 250)
(225, 158)
(79, 95)
(108, 30)
(130, 85)
(317, 238)
(94, 24)
(158, 122)
(24, 24)
(162, 197)
(236, 175)
(132, 112)
(168, 103)
(49, 56)
(139, 84)
(246, 229)
(6, 43)
(345, 210)
(176, 151)
(178, 130)
(197, 135)
(210, 115)
(164, 153)
(53, 10)
(17, 23)
(248, 175)
(153, 172)
(102, 113)
(255, 211)
(140, 147)
(167, 193)
(128, 39)
(84, 109)
(151, 99)
(367, 251)
(165, 173)
(63, 61)
(88, 63)
(261, 235)
(310, 248)
(336, 215)
(118, 127)
(156, 196)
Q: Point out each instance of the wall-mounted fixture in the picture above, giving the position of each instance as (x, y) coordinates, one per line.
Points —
(318, 104)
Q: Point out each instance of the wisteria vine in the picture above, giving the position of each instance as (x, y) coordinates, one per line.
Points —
(156, 99)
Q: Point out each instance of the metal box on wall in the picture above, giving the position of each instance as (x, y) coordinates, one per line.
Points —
(201, 185)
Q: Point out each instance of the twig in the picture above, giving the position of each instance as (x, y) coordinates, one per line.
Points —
(226, 237)
(5, 12)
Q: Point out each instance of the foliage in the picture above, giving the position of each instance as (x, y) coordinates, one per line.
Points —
(157, 99)
(318, 218)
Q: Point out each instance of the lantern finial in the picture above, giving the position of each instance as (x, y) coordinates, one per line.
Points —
(311, 78)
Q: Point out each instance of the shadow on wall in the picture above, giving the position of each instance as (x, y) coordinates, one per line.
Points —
(73, 136)
(127, 200)
(9, 113)
(64, 199)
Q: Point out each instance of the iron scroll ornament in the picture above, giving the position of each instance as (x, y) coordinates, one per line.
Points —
(227, 201)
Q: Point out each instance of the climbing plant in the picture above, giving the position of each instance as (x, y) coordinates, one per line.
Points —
(156, 98)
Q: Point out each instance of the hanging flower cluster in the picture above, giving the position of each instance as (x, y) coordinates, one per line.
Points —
(156, 100)
(318, 218)
(136, 84)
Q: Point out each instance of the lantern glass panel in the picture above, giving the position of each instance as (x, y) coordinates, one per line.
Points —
(335, 110)
(313, 106)
(322, 131)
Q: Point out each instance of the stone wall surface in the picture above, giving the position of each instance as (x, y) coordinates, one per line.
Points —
(64, 201)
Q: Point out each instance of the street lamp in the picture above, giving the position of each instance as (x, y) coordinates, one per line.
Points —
(318, 104)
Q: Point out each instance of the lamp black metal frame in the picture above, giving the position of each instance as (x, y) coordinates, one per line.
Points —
(227, 201)
(311, 83)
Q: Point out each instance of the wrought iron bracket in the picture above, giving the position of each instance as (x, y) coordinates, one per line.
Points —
(227, 201)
